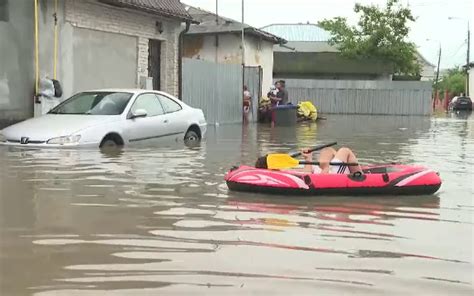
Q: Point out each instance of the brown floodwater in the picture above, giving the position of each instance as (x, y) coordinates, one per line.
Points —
(155, 220)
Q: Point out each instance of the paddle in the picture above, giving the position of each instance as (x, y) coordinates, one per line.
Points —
(285, 161)
(275, 161)
(319, 147)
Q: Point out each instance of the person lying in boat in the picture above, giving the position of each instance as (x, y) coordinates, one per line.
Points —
(329, 160)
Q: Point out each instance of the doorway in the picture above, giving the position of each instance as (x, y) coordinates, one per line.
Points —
(154, 62)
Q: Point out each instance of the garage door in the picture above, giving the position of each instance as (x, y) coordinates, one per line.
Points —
(104, 60)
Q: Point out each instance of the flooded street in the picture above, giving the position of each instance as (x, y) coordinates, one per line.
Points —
(160, 221)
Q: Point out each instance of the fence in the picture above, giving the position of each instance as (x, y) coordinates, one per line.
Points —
(363, 97)
(214, 88)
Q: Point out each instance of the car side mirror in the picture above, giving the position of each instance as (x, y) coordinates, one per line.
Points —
(138, 113)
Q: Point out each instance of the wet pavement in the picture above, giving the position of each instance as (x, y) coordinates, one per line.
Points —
(160, 221)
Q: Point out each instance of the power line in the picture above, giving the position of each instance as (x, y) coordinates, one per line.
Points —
(457, 50)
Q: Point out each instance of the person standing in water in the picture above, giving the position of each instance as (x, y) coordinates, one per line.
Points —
(247, 104)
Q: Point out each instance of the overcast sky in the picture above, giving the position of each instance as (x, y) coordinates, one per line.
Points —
(432, 20)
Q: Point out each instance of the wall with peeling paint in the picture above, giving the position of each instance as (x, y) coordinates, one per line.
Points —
(226, 49)
(260, 53)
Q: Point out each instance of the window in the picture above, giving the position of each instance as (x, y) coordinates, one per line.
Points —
(169, 105)
(149, 103)
(94, 103)
(4, 11)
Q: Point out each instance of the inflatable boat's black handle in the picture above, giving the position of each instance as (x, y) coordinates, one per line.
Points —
(315, 148)
(357, 176)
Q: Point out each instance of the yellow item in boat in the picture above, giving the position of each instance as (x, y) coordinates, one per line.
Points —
(307, 111)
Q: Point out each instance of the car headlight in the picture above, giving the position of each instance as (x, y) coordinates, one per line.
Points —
(2, 138)
(65, 140)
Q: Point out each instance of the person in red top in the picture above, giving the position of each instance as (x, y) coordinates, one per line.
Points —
(247, 103)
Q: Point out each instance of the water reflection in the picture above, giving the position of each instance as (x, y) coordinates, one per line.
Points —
(461, 114)
(148, 220)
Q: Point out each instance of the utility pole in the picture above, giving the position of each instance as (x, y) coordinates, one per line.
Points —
(217, 35)
(467, 52)
(243, 59)
(243, 34)
(439, 61)
(467, 58)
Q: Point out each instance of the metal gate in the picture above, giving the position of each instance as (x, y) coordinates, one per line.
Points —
(253, 81)
(214, 88)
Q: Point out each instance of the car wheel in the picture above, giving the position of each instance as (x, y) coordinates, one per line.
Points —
(108, 143)
(191, 136)
(191, 139)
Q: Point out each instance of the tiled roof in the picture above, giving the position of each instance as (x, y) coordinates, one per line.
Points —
(170, 8)
(208, 25)
(298, 32)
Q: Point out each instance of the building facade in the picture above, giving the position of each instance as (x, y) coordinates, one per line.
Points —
(86, 44)
(219, 40)
(309, 55)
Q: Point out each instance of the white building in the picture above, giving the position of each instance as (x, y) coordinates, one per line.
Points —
(428, 70)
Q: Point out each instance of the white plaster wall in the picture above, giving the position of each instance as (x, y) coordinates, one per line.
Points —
(228, 51)
(260, 53)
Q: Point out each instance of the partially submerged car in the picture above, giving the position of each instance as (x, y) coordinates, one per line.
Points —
(460, 103)
(110, 117)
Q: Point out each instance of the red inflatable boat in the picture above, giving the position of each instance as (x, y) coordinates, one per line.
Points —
(380, 179)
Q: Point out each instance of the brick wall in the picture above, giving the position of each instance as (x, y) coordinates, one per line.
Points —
(92, 15)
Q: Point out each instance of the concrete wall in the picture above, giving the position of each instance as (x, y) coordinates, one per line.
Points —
(328, 65)
(16, 63)
(257, 52)
(104, 60)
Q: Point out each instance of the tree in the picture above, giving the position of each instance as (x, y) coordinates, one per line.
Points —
(453, 81)
(380, 34)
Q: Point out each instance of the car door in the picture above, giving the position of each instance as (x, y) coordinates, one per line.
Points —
(153, 125)
(174, 114)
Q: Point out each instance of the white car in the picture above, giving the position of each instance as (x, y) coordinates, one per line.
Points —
(109, 117)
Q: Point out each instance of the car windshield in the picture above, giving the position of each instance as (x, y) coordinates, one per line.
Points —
(94, 103)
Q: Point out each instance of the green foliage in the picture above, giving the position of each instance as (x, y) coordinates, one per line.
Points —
(453, 81)
(379, 34)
